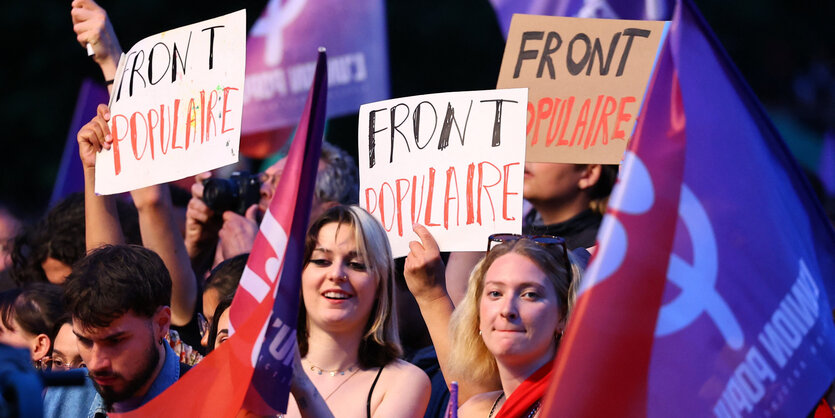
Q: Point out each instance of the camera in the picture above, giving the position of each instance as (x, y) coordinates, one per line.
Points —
(237, 193)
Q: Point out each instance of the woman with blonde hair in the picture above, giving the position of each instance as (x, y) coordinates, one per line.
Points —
(347, 330)
(505, 333)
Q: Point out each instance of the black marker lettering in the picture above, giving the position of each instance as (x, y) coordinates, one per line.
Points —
(176, 55)
(546, 54)
(528, 54)
(394, 129)
(497, 121)
(211, 30)
(371, 132)
(630, 33)
(574, 67)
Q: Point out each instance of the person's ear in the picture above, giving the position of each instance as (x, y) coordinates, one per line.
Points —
(40, 347)
(162, 321)
(590, 176)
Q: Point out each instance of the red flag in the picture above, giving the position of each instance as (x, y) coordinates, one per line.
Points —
(603, 363)
(257, 359)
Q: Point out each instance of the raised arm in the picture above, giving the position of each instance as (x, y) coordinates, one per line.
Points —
(201, 228)
(307, 397)
(92, 27)
(425, 276)
(459, 266)
(100, 216)
(160, 234)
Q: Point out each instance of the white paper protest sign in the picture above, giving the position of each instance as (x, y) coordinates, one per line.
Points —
(176, 105)
(453, 162)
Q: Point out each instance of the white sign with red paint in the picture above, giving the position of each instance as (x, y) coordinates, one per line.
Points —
(453, 162)
(176, 105)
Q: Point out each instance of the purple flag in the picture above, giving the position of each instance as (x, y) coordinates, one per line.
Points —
(70, 176)
(270, 386)
(279, 69)
(749, 292)
(744, 322)
(604, 9)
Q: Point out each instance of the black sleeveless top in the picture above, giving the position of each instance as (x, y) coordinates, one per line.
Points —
(370, 391)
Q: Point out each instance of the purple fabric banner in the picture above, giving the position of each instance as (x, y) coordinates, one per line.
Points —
(604, 9)
(745, 327)
(747, 267)
(70, 176)
(270, 386)
(281, 58)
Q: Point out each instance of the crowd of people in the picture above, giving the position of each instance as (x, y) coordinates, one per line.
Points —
(137, 288)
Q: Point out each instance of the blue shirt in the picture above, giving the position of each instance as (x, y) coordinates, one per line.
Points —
(85, 401)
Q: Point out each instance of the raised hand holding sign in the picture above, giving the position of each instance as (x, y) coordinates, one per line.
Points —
(176, 105)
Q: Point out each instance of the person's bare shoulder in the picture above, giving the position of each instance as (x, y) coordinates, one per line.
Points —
(405, 369)
(479, 405)
(405, 387)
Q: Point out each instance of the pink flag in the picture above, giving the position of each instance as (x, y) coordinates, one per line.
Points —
(610, 335)
(252, 369)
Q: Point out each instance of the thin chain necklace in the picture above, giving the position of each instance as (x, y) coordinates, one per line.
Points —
(531, 414)
(318, 370)
(535, 409)
(342, 383)
(495, 403)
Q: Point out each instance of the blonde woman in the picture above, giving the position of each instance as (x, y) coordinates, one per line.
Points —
(347, 331)
(504, 334)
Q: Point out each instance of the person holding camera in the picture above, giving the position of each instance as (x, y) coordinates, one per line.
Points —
(223, 214)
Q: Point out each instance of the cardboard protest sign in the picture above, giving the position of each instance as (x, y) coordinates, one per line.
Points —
(587, 79)
(176, 105)
(453, 162)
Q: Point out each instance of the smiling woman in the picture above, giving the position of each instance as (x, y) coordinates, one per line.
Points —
(347, 327)
(507, 328)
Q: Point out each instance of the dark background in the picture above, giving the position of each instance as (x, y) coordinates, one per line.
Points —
(784, 49)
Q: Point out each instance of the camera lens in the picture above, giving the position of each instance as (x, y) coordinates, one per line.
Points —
(220, 195)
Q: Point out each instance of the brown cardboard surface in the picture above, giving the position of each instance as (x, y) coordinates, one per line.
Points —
(582, 106)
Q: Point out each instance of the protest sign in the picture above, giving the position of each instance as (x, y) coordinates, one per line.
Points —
(586, 78)
(176, 105)
(453, 162)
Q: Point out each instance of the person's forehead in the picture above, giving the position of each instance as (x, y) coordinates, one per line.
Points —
(336, 237)
(515, 269)
(65, 339)
(277, 166)
(223, 321)
(127, 323)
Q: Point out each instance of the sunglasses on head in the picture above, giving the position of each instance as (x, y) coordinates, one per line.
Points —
(543, 240)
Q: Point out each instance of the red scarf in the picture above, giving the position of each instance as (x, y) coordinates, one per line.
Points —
(530, 391)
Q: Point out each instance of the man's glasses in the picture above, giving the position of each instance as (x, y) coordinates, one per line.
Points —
(202, 324)
(543, 240)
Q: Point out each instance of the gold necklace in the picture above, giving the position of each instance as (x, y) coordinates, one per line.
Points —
(318, 370)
